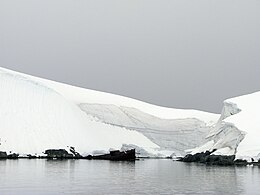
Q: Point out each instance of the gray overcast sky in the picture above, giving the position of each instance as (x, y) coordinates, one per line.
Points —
(175, 53)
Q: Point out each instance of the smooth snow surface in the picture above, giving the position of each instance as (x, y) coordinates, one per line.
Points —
(38, 114)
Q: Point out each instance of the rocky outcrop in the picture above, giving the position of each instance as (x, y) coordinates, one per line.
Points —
(60, 153)
(209, 159)
(3, 155)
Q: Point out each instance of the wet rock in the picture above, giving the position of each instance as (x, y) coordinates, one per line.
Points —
(220, 160)
(117, 155)
(31, 156)
(13, 156)
(3, 155)
(88, 157)
(241, 162)
(193, 158)
(76, 154)
(60, 153)
(209, 159)
(198, 157)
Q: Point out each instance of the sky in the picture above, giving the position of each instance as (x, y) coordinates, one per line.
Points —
(173, 53)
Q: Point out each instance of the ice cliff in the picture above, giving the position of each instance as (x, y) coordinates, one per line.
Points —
(238, 130)
(38, 114)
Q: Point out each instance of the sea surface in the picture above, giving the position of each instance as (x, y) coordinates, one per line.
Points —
(146, 176)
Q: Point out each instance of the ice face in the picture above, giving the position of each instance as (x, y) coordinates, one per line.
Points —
(237, 130)
(169, 134)
(38, 114)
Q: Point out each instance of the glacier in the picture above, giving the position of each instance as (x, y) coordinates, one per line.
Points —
(238, 130)
(38, 114)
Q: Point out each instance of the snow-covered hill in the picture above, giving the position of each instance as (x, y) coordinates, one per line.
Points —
(238, 129)
(38, 114)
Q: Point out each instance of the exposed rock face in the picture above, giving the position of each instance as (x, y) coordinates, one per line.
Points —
(207, 158)
(13, 156)
(60, 153)
(3, 154)
(75, 153)
(241, 162)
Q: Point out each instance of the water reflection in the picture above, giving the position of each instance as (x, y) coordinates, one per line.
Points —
(140, 177)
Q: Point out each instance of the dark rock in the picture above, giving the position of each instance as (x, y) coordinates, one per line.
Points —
(117, 155)
(13, 156)
(76, 154)
(89, 157)
(220, 160)
(31, 156)
(207, 158)
(240, 162)
(3, 155)
(198, 157)
(115, 152)
(60, 153)
(214, 150)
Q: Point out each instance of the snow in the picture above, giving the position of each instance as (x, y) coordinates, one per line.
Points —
(80, 95)
(238, 129)
(247, 121)
(38, 114)
(34, 118)
(169, 134)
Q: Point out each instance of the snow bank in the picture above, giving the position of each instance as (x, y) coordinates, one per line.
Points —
(238, 129)
(37, 114)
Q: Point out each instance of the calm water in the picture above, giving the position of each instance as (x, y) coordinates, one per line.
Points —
(140, 177)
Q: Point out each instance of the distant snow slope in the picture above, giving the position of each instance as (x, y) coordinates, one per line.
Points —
(38, 114)
(238, 130)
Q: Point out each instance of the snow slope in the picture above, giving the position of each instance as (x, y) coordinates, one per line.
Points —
(238, 130)
(170, 134)
(37, 114)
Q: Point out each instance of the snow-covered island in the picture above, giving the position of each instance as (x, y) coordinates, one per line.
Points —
(38, 114)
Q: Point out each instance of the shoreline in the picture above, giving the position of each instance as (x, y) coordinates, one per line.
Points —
(207, 158)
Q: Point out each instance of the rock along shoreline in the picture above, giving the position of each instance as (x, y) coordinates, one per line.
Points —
(206, 158)
(61, 154)
(220, 160)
